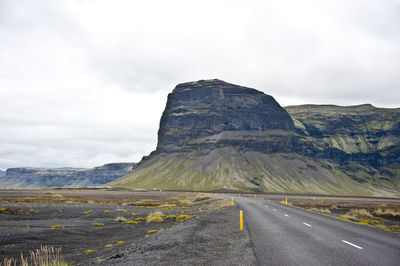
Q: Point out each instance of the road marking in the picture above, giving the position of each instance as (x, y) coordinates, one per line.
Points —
(266, 206)
(309, 225)
(274, 210)
(351, 244)
(286, 215)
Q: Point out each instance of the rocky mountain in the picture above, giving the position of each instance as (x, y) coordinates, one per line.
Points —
(2, 173)
(63, 177)
(218, 136)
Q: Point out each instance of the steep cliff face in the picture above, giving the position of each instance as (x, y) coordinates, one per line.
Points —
(201, 114)
(214, 135)
(63, 177)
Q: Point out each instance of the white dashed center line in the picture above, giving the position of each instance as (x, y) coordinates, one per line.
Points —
(274, 210)
(286, 215)
(351, 244)
(266, 206)
(309, 225)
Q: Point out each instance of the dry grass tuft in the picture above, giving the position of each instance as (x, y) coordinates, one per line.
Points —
(368, 222)
(323, 210)
(120, 219)
(155, 217)
(171, 217)
(98, 224)
(45, 256)
(201, 198)
(88, 251)
(57, 226)
(108, 245)
(359, 213)
(131, 222)
(152, 232)
(386, 212)
(87, 212)
(106, 211)
(183, 217)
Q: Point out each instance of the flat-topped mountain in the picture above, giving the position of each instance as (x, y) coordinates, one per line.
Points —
(209, 107)
(28, 177)
(218, 136)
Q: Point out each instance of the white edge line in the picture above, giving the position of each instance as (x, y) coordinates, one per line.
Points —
(287, 215)
(307, 224)
(266, 206)
(351, 244)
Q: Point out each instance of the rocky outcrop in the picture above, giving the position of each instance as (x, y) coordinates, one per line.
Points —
(214, 135)
(63, 177)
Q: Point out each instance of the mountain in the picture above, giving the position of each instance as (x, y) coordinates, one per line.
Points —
(219, 136)
(63, 177)
(2, 173)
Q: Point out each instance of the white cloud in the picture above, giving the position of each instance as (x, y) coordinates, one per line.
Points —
(84, 82)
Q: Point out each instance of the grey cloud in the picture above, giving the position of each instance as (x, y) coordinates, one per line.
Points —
(85, 82)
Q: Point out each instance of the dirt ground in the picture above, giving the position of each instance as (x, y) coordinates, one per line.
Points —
(89, 233)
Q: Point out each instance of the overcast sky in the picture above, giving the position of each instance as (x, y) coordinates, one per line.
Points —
(83, 83)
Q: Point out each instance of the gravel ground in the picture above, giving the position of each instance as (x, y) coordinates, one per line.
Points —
(212, 238)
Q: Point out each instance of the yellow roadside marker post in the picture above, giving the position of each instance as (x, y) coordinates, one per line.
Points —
(241, 220)
(255, 196)
(286, 201)
(232, 200)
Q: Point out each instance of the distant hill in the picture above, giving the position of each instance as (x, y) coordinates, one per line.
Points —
(215, 135)
(63, 177)
(2, 173)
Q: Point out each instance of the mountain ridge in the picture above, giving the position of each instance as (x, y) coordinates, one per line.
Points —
(31, 177)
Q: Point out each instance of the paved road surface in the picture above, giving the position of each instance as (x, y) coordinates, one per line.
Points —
(286, 235)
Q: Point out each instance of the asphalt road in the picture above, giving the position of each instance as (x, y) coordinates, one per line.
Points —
(286, 235)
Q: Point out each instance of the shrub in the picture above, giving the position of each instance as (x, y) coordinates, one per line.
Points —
(119, 242)
(139, 219)
(106, 211)
(108, 245)
(171, 217)
(155, 217)
(87, 212)
(134, 214)
(152, 231)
